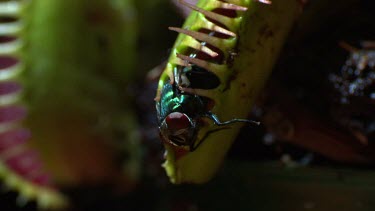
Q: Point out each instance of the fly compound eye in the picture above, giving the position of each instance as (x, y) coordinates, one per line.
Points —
(178, 129)
(178, 121)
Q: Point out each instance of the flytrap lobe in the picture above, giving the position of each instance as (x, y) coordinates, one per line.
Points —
(220, 61)
(21, 168)
(63, 117)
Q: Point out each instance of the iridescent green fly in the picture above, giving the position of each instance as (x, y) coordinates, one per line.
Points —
(219, 63)
(179, 113)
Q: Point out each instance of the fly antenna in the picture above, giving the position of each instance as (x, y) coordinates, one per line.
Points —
(219, 123)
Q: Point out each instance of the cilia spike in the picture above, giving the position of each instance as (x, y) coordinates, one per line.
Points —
(198, 36)
(218, 4)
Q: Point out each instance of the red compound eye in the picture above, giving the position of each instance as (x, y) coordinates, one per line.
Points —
(177, 121)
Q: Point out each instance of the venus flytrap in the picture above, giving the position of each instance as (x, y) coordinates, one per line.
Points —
(209, 83)
(62, 107)
(20, 166)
